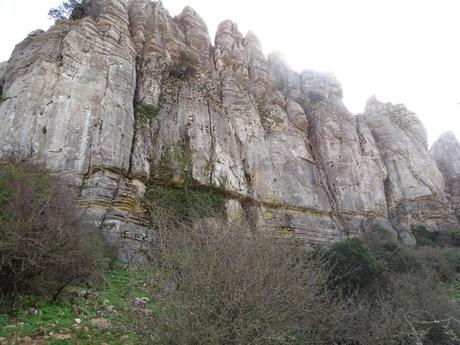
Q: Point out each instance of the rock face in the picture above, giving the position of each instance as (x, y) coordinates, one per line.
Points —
(133, 97)
(68, 101)
(446, 152)
(415, 187)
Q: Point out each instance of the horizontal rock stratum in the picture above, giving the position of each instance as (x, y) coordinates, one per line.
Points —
(134, 97)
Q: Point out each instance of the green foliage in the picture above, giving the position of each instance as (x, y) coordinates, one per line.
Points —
(175, 161)
(444, 261)
(396, 258)
(186, 202)
(433, 253)
(425, 237)
(353, 266)
(437, 238)
(453, 288)
(381, 231)
(147, 112)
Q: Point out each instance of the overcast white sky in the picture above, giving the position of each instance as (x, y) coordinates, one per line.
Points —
(400, 50)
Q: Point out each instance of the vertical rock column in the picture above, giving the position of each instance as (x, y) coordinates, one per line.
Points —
(346, 154)
(283, 179)
(446, 152)
(342, 147)
(415, 186)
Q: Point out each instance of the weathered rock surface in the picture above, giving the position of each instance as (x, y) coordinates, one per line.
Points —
(136, 97)
(68, 101)
(446, 152)
(2, 71)
(415, 186)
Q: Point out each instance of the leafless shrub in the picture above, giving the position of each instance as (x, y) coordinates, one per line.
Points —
(216, 284)
(44, 244)
(224, 285)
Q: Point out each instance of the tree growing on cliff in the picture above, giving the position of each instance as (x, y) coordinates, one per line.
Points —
(74, 9)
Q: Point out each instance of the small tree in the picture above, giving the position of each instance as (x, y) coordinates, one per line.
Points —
(44, 243)
(74, 9)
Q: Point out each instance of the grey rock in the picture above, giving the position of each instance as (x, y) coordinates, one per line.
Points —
(415, 186)
(3, 66)
(343, 148)
(69, 103)
(446, 152)
(136, 97)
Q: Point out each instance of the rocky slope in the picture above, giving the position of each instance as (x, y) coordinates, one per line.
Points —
(135, 97)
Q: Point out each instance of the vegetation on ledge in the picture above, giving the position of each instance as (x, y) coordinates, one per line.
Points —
(146, 112)
(187, 203)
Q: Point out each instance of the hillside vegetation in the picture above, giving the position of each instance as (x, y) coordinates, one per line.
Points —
(205, 281)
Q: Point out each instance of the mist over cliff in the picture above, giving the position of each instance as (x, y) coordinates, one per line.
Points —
(134, 97)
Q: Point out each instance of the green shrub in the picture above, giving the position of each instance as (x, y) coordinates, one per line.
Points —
(187, 203)
(430, 255)
(353, 265)
(444, 261)
(44, 245)
(175, 161)
(455, 237)
(394, 256)
(147, 112)
(425, 237)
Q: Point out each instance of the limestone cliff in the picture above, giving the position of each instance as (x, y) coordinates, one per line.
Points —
(136, 97)
(446, 153)
(415, 187)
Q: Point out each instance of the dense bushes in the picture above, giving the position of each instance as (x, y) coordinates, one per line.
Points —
(353, 266)
(44, 245)
(427, 238)
(225, 284)
(218, 285)
(215, 283)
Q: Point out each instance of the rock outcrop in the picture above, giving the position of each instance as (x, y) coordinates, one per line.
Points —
(68, 101)
(134, 97)
(415, 187)
(446, 152)
(2, 71)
